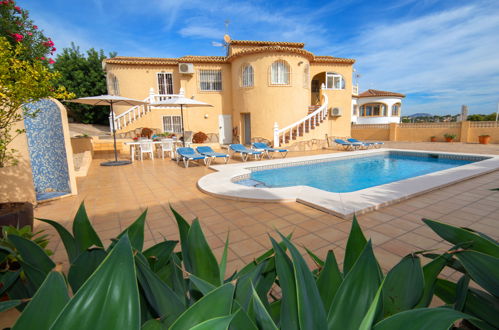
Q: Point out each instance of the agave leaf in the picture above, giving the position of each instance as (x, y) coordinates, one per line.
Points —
(8, 278)
(355, 245)
(483, 269)
(84, 266)
(135, 233)
(223, 262)
(109, 299)
(422, 318)
(153, 325)
(46, 304)
(160, 296)
(311, 314)
(356, 293)
(404, 286)
(203, 263)
(241, 320)
(183, 229)
(84, 234)
(329, 280)
(243, 288)
(217, 303)
(275, 311)
(457, 235)
(430, 272)
(203, 286)
(217, 323)
(289, 301)
(462, 292)
(159, 255)
(368, 319)
(318, 261)
(9, 304)
(36, 264)
(261, 316)
(478, 303)
(72, 249)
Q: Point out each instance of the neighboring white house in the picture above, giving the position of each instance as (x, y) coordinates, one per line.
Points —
(376, 107)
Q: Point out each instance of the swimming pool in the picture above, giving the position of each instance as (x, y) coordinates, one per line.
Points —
(346, 183)
(347, 175)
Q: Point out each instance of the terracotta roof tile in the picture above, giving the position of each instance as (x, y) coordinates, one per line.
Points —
(267, 43)
(256, 50)
(331, 59)
(141, 60)
(210, 59)
(374, 93)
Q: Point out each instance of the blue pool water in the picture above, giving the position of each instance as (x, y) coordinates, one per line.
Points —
(353, 174)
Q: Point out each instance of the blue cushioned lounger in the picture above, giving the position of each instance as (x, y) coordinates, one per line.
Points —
(188, 154)
(370, 144)
(245, 152)
(348, 145)
(260, 146)
(209, 152)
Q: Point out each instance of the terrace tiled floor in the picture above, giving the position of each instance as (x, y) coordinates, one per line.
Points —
(115, 196)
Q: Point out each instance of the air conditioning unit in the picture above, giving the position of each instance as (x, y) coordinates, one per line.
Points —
(335, 112)
(186, 68)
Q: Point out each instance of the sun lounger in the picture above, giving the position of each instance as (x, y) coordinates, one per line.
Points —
(348, 145)
(245, 152)
(188, 154)
(260, 146)
(209, 152)
(370, 144)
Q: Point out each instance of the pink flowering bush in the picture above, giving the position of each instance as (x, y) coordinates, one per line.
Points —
(18, 28)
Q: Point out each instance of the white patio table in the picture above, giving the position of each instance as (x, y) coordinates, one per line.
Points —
(133, 144)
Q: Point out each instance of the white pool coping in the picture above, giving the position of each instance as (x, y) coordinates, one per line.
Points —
(344, 205)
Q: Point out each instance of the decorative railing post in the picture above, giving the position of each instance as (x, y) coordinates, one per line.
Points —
(276, 135)
(151, 95)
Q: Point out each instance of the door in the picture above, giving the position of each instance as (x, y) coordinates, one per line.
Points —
(225, 129)
(165, 83)
(246, 128)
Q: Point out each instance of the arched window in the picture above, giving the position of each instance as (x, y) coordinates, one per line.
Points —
(247, 76)
(334, 81)
(279, 73)
(373, 110)
(306, 76)
(396, 109)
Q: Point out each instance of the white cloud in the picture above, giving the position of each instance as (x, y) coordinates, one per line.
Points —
(198, 31)
(451, 57)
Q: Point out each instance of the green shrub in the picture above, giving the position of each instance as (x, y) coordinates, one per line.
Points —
(123, 286)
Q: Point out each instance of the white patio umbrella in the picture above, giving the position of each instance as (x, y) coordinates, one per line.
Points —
(182, 102)
(110, 100)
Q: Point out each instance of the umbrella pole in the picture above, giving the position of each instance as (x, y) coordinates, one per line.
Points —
(114, 133)
(183, 131)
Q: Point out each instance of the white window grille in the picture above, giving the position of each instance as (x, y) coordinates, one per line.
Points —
(165, 83)
(306, 76)
(334, 81)
(247, 76)
(210, 80)
(279, 73)
(172, 124)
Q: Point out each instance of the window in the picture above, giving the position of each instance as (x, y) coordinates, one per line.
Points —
(247, 76)
(210, 80)
(396, 109)
(172, 124)
(113, 85)
(165, 83)
(279, 73)
(334, 81)
(306, 76)
(355, 110)
(373, 110)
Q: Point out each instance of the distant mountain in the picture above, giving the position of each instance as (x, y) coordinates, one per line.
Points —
(420, 114)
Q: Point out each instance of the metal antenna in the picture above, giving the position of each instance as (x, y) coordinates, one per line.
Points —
(227, 22)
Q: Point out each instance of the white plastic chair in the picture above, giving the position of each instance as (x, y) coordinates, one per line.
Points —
(146, 147)
(166, 145)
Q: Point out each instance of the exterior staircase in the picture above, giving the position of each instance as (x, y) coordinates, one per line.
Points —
(316, 115)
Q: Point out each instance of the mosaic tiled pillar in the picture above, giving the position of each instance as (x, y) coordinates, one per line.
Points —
(47, 150)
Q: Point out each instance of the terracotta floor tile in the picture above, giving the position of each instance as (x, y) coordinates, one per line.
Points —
(246, 247)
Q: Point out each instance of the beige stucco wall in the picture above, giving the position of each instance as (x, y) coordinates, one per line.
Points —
(379, 134)
(16, 182)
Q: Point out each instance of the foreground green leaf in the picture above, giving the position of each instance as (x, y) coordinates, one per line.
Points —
(329, 281)
(109, 299)
(483, 269)
(72, 249)
(260, 314)
(84, 234)
(355, 245)
(422, 318)
(9, 304)
(86, 263)
(217, 323)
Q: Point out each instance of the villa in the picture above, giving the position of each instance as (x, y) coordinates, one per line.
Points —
(261, 91)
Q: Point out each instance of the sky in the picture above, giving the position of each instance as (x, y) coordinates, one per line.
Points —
(441, 53)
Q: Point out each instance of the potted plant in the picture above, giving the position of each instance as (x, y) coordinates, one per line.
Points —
(433, 138)
(449, 137)
(484, 139)
(23, 47)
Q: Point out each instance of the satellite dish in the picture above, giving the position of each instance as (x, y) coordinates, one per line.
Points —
(227, 39)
